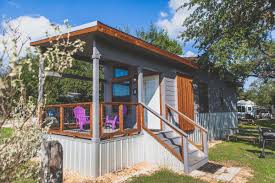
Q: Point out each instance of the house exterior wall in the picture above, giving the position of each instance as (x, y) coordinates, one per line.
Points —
(171, 90)
(222, 115)
(222, 97)
(222, 101)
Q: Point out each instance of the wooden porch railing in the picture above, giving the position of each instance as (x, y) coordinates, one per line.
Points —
(198, 136)
(63, 122)
(126, 114)
(182, 134)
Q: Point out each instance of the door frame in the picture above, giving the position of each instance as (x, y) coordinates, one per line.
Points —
(160, 93)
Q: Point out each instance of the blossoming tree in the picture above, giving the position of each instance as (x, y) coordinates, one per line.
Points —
(19, 151)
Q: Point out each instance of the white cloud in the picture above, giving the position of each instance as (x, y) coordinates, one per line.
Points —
(28, 27)
(273, 34)
(190, 54)
(174, 24)
(248, 82)
(163, 14)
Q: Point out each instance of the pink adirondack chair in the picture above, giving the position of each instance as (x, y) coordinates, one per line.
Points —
(80, 117)
(111, 121)
(114, 121)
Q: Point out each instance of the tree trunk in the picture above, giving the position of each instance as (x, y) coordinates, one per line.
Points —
(52, 162)
(40, 100)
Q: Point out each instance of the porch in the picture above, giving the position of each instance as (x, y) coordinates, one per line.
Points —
(127, 120)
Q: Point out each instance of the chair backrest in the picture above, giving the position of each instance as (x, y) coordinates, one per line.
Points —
(79, 112)
(124, 109)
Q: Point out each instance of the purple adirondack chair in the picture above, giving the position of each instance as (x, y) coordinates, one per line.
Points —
(114, 121)
(80, 117)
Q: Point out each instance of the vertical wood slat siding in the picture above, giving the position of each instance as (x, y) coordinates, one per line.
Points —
(217, 125)
(170, 91)
(171, 96)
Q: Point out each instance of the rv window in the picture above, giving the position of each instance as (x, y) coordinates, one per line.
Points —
(241, 108)
(249, 108)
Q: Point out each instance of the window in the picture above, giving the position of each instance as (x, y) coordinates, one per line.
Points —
(249, 108)
(121, 89)
(241, 108)
(121, 85)
(203, 97)
(120, 72)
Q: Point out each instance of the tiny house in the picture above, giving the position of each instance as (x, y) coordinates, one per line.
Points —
(158, 107)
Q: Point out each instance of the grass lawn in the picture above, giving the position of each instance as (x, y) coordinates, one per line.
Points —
(233, 153)
(246, 154)
(164, 176)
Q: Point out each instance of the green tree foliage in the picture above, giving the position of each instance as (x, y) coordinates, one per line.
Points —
(159, 37)
(57, 89)
(260, 92)
(233, 35)
(30, 76)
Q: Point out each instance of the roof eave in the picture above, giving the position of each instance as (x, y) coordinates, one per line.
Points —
(105, 29)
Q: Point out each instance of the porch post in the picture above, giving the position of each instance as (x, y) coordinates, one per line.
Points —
(95, 57)
(140, 84)
(95, 156)
(140, 96)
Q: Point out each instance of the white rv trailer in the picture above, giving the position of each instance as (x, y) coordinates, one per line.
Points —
(246, 108)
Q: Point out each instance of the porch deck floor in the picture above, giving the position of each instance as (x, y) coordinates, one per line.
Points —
(106, 131)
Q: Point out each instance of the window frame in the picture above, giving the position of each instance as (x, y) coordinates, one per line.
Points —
(117, 80)
(122, 68)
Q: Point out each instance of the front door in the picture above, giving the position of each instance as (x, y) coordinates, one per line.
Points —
(185, 101)
(152, 100)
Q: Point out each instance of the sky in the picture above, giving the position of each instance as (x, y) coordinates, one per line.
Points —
(36, 16)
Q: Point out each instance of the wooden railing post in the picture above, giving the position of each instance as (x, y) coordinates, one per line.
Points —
(91, 119)
(141, 115)
(185, 154)
(61, 111)
(101, 112)
(121, 128)
(166, 113)
(205, 143)
(138, 117)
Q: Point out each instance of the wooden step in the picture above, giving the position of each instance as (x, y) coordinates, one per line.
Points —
(165, 134)
(173, 140)
(196, 157)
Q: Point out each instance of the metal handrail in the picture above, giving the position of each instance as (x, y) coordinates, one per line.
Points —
(184, 116)
(181, 132)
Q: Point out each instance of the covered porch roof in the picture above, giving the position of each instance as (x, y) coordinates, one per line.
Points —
(97, 30)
